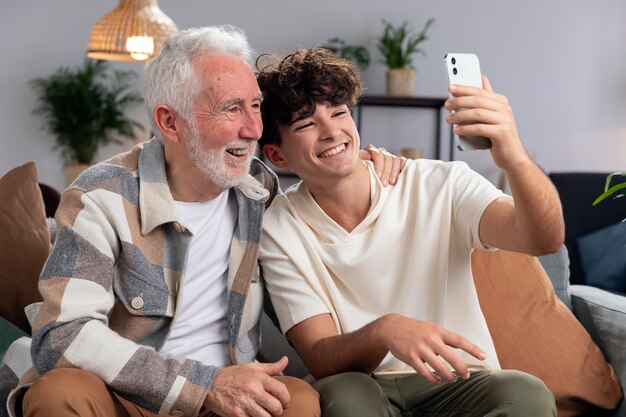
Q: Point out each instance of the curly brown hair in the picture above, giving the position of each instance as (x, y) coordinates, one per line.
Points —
(298, 82)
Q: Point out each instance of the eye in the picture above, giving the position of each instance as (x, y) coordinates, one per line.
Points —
(339, 113)
(234, 109)
(304, 125)
(256, 106)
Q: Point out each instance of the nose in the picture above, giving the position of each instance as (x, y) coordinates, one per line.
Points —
(252, 126)
(328, 131)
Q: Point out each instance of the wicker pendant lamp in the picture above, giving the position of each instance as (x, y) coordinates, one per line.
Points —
(133, 31)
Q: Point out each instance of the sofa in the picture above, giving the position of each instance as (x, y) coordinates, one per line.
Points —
(591, 228)
(534, 330)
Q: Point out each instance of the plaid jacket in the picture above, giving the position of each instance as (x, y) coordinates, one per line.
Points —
(111, 282)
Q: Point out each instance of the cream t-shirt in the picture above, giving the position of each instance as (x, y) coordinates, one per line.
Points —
(410, 255)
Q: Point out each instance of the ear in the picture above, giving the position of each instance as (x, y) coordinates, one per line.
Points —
(272, 154)
(168, 122)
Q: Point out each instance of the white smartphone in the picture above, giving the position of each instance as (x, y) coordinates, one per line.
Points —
(464, 69)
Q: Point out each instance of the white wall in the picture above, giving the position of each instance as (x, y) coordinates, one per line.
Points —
(561, 63)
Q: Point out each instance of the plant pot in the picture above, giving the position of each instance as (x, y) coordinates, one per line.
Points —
(72, 171)
(400, 82)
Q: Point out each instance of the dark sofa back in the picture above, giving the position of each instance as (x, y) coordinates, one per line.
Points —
(578, 190)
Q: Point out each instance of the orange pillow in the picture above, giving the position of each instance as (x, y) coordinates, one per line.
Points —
(24, 242)
(534, 332)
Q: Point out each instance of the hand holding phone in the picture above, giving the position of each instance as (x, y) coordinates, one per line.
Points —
(464, 69)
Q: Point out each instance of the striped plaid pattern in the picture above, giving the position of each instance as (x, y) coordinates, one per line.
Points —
(110, 283)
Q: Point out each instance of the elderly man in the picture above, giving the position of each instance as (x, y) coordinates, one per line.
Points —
(151, 295)
(373, 285)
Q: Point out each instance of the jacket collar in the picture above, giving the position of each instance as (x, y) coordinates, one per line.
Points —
(156, 203)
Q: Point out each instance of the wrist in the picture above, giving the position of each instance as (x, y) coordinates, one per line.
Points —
(380, 329)
(522, 163)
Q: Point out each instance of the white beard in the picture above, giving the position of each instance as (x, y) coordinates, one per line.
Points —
(211, 162)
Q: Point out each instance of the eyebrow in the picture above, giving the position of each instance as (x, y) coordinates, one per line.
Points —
(239, 100)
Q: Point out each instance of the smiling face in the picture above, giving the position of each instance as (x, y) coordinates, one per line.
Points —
(319, 148)
(225, 123)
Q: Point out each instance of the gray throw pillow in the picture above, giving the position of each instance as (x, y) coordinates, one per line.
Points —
(603, 314)
(556, 266)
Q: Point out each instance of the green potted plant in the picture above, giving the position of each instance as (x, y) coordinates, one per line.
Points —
(85, 109)
(355, 53)
(617, 190)
(398, 46)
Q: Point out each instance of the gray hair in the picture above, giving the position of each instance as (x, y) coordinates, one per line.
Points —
(169, 78)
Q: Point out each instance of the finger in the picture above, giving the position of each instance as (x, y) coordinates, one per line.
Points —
(274, 368)
(278, 390)
(459, 342)
(364, 155)
(256, 410)
(369, 152)
(395, 170)
(270, 404)
(492, 132)
(470, 116)
(486, 83)
(458, 90)
(466, 96)
(455, 361)
(387, 168)
(378, 158)
(439, 366)
(424, 372)
(493, 103)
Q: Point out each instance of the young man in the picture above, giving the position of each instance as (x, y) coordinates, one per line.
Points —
(151, 295)
(372, 280)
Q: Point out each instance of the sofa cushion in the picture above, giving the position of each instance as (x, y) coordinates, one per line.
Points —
(604, 314)
(603, 257)
(556, 266)
(534, 332)
(24, 242)
(8, 334)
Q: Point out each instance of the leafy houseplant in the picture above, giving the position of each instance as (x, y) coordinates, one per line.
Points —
(398, 46)
(355, 53)
(618, 190)
(84, 108)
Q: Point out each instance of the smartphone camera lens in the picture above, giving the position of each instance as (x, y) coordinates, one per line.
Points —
(453, 60)
(454, 71)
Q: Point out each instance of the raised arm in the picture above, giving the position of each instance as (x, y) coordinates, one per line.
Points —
(533, 221)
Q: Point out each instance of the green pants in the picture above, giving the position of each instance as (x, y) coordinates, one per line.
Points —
(485, 393)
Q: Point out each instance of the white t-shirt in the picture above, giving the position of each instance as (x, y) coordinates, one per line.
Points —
(410, 255)
(200, 328)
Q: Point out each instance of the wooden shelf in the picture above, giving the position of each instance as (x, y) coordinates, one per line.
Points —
(435, 103)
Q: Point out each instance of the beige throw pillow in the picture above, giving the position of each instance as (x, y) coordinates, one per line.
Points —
(24, 242)
(534, 332)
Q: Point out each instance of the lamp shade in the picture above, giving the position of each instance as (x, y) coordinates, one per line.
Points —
(133, 31)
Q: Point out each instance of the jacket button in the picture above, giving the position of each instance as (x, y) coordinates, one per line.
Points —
(137, 303)
(179, 227)
(178, 413)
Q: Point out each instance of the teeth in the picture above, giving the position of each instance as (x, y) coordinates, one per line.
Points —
(333, 151)
(237, 152)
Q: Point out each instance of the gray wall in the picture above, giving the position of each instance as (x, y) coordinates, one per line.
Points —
(561, 63)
